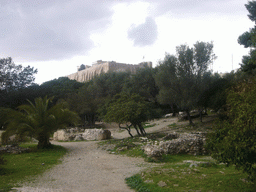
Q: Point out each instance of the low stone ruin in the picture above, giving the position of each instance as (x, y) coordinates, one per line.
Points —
(184, 143)
(14, 149)
(76, 134)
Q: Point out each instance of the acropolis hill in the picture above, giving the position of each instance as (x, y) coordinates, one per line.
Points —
(99, 67)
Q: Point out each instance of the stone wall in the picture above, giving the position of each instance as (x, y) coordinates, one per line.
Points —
(104, 67)
(174, 143)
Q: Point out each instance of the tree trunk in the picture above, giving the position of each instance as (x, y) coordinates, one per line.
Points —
(201, 115)
(135, 127)
(189, 117)
(128, 128)
(129, 131)
(43, 141)
(142, 130)
(90, 119)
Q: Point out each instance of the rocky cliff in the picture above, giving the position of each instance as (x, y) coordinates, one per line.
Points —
(104, 67)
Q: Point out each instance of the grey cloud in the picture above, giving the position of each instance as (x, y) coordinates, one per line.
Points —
(46, 30)
(58, 29)
(144, 34)
(186, 8)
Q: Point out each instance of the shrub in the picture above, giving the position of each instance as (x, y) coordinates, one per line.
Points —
(2, 160)
(234, 138)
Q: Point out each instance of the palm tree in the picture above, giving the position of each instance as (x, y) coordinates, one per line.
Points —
(39, 120)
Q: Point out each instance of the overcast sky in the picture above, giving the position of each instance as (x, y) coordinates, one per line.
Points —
(56, 36)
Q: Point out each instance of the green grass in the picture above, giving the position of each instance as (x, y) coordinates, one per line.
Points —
(172, 125)
(178, 176)
(148, 125)
(23, 167)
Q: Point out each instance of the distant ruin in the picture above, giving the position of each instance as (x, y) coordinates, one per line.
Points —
(86, 73)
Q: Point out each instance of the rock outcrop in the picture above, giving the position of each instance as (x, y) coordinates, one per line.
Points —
(96, 134)
(14, 149)
(80, 135)
(185, 143)
(89, 72)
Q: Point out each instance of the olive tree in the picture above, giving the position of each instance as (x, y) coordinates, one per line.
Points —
(180, 77)
(131, 110)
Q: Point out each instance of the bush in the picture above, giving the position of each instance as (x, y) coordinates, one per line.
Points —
(2, 160)
(234, 138)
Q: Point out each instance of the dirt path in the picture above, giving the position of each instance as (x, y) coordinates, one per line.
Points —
(159, 125)
(89, 168)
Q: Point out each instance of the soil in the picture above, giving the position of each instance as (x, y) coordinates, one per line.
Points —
(87, 167)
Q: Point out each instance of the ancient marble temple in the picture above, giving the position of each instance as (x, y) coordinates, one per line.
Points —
(100, 67)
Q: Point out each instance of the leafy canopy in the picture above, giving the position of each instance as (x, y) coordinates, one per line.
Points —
(234, 138)
(180, 78)
(248, 40)
(127, 109)
(15, 76)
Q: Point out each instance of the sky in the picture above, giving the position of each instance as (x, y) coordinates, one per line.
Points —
(57, 36)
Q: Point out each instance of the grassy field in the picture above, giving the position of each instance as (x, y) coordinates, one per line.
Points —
(178, 176)
(173, 172)
(25, 166)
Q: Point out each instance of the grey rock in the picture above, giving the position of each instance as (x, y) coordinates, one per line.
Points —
(76, 135)
(193, 165)
(96, 134)
(161, 184)
(153, 151)
(78, 138)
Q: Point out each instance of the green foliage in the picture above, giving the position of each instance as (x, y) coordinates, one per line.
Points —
(38, 120)
(178, 176)
(181, 78)
(135, 182)
(93, 94)
(248, 39)
(214, 96)
(128, 109)
(125, 108)
(234, 139)
(24, 167)
(108, 84)
(60, 88)
(13, 76)
(143, 83)
(2, 161)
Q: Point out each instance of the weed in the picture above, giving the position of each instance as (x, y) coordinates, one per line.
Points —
(172, 125)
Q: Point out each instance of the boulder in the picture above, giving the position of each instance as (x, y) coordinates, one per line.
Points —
(192, 144)
(73, 134)
(96, 134)
(186, 144)
(63, 135)
(153, 151)
(78, 138)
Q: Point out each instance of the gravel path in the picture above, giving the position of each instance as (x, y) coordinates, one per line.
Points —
(88, 168)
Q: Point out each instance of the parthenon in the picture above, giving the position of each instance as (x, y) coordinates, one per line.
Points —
(99, 67)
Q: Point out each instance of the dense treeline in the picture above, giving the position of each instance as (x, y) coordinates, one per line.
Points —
(178, 83)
